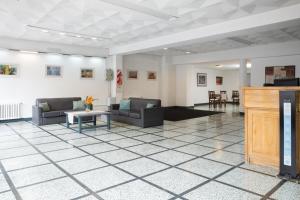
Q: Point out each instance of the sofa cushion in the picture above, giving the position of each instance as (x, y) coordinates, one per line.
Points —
(58, 104)
(135, 115)
(115, 112)
(78, 105)
(44, 106)
(150, 105)
(51, 114)
(124, 104)
(136, 104)
(124, 112)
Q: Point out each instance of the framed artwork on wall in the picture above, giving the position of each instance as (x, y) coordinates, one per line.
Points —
(151, 75)
(87, 73)
(279, 72)
(219, 80)
(201, 79)
(132, 74)
(53, 71)
(8, 70)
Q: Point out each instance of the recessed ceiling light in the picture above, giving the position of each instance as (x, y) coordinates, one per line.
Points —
(187, 52)
(45, 31)
(79, 36)
(94, 38)
(166, 48)
(61, 33)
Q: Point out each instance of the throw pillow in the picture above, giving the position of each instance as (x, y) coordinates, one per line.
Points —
(78, 105)
(44, 106)
(124, 105)
(150, 105)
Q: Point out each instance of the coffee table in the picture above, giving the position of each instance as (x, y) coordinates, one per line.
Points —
(70, 116)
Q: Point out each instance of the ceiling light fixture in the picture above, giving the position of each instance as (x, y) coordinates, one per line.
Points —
(166, 48)
(187, 52)
(61, 33)
(31, 52)
(79, 36)
(94, 38)
(219, 66)
(45, 31)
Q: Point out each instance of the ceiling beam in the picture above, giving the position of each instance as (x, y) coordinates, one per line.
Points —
(241, 41)
(270, 20)
(140, 9)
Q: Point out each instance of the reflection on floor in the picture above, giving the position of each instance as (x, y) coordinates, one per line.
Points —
(199, 158)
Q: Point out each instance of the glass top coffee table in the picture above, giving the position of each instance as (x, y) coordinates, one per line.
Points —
(70, 118)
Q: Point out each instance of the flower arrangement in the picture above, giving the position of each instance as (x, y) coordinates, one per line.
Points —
(89, 102)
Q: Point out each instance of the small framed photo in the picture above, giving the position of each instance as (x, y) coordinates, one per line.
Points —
(219, 80)
(132, 74)
(87, 73)
(201, 79)
(8, 70)
(53, 71)
(151, 75)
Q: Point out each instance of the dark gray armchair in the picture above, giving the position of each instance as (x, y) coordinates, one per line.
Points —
(138, 114)
(56, 115)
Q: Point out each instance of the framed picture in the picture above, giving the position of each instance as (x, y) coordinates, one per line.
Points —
(132, 74)
(53, 71)
(219, 80)
(279, 72)
(151, 75)
(201, 79)
(87, 73)
(8, 70)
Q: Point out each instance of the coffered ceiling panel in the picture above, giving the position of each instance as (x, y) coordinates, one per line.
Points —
(103, 23)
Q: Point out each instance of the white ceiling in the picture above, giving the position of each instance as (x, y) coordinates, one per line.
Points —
(125, 21)
(257, 38)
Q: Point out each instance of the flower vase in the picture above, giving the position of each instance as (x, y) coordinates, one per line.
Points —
(89, 107)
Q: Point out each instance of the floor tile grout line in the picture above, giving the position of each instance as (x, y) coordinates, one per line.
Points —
(9, 182)
(152, 133)
(41, 182)
(137, 177)
(180, 163)
(274, 189)
(64, 171)
(5, 191)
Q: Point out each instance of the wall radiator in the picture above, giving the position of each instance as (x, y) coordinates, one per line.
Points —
(10, 111)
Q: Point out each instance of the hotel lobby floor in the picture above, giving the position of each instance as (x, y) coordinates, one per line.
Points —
(200, 158)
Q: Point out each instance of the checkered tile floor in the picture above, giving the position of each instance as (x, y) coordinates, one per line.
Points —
(200, 158)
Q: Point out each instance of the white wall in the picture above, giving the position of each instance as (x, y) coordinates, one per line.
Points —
(31, 82)
(189, 94)
(142, 87)
(259, 64)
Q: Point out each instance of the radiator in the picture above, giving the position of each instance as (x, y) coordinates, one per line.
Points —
(10, 111)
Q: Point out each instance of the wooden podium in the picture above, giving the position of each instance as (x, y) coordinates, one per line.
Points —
(262, 125)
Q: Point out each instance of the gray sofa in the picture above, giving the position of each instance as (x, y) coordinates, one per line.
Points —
(56, 115)
(138, 114)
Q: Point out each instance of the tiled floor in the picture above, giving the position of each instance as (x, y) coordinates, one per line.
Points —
(197, 159)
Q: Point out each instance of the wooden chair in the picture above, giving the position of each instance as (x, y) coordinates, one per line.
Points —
(235, 97)
(223, 98)
(212, 99)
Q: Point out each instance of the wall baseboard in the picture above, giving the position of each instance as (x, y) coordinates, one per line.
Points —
(16, 120)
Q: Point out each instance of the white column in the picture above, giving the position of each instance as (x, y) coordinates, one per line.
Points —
(242, 81)
(115, 62)
(167, 82)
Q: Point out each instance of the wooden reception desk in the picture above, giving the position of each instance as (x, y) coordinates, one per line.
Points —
(262, 124)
